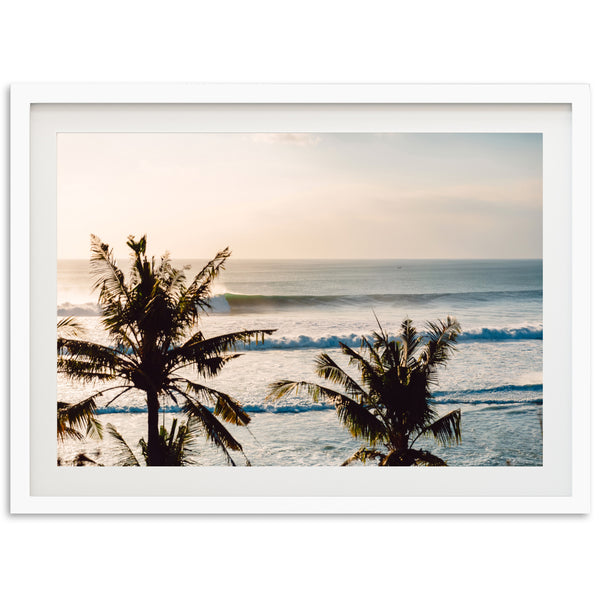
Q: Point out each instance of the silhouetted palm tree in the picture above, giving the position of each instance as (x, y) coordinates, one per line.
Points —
(152, 323)
(390, 405)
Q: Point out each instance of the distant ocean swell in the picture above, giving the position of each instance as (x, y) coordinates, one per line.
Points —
(241, 303)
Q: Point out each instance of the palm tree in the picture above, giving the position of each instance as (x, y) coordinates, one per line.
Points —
(390, 405)
(152, 323)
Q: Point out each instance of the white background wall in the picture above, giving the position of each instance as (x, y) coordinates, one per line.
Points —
(298, 557)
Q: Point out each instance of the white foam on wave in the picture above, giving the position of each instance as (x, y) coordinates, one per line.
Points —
(525, 332)
(219, 304)
(484, 334)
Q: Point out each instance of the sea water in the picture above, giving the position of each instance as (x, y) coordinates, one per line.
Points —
(495, 377)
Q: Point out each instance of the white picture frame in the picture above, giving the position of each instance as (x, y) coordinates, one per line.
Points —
(561, 112)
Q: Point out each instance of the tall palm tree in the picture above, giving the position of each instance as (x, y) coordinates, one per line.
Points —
(390, 405)
(152, 320)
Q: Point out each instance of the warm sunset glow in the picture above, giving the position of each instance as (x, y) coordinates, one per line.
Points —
(302, 195)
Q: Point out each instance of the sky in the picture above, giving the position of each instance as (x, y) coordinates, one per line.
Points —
(303, 195)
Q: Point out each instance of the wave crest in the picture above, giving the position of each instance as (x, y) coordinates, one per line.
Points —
(484, 334)
(526, 332)
(251, 303)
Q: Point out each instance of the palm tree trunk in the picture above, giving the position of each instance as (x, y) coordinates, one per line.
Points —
(154, 453)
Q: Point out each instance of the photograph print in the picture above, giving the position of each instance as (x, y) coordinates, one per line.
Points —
(299, 299)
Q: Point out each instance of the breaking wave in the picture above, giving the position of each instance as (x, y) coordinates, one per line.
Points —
(243, 303)
(504, 333)
(484, 334)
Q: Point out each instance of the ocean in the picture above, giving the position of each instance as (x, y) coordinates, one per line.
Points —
(495, 377)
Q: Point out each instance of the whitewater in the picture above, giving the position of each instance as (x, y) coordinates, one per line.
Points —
(495, 377)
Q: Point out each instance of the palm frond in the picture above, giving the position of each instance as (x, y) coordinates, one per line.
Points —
(128, 388)
(201, 282)
(183, 443)
(177, 445)
(82, 370)
(445, 430)
(441, 342)
(364, 454)
(369, 372)
(87, 361)
(231, 411)
(108, 277)
(206, 367)
(126, 456)
(225, 406)
(359, 421)
(383, 352)
(226, 342)
(285, 387)
(410, 341)
(65, 432)
(98, 354)
(411, 457)
(426, 459)
(374, 359)
(197, 295)
(72, 418)
(328, 369)
(69, 326)
(214, 430)
(206, 355)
